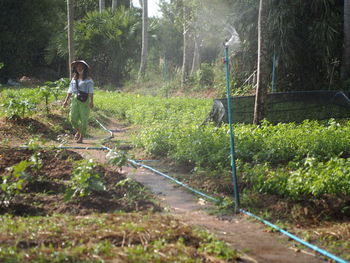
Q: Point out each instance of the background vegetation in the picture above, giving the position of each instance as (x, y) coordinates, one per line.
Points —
(306, 37)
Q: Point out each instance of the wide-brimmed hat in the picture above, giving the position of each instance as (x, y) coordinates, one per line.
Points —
(74, 63)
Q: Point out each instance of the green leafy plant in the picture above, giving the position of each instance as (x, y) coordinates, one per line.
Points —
(37, 162)
(59, 86)
(205, 75)
(212, 246)
(35, 143)
(18, 107)
(320, 178)
(225, 206)
(117, 158)
(85, 180)
(134, 190)
(45, 93)
(14, 182)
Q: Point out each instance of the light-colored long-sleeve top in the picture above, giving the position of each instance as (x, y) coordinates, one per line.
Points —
(86, 85)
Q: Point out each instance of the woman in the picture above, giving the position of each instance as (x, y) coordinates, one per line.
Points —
(80, 107)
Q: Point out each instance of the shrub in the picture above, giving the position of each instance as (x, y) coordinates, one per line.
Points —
(205, 75)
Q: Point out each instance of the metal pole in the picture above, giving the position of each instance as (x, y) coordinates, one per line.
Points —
(232, 148)
(273, 89)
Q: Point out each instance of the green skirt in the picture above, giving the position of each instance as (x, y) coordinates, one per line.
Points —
(79, 114)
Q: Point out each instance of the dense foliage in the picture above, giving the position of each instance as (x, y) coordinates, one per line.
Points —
(296, 161)
(305, 36)
(26, 29)
(109, 40)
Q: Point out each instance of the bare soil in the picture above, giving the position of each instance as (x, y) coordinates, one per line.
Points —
(43, 193)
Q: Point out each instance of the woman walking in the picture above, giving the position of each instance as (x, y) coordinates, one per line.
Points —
(81, 89)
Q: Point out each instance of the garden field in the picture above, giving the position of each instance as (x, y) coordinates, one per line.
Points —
(296, 175)
(56, 206)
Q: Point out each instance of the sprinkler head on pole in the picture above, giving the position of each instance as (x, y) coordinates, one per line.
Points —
(230, 41)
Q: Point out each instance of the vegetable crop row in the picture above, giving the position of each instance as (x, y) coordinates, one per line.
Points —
(273, 158)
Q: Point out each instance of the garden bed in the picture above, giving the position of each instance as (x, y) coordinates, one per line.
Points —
(46, 178)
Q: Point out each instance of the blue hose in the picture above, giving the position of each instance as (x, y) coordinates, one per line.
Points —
(313, 247)
(173, 179)
(80, 148)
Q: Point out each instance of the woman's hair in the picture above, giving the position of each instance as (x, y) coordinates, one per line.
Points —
(85, 73)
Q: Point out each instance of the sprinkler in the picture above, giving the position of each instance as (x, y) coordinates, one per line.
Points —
(232, 148)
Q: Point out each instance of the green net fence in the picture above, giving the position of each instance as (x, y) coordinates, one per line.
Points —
(285, 107)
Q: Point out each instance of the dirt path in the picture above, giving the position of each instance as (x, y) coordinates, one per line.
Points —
(241, 232)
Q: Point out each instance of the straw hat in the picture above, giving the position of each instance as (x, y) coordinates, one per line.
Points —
(74, 63)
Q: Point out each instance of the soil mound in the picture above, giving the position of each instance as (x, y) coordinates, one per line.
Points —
(40, 180)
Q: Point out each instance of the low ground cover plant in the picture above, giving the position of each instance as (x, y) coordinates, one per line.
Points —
(24, 102)
(120, 237)
(273, 159)
(289, 172)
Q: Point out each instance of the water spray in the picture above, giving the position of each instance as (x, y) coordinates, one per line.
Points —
(232, 147)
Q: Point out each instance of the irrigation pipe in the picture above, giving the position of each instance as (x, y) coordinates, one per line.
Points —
(303, 242)
(284, 232)
(68, 147)
(80, 148)
(173, 179)
(103, 127)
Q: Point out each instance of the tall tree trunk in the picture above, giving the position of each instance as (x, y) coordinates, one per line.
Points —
(144, 52)
(70, 17)
(345, 68)
(196, 55)
(186, 46)
(263, 65)
(114, 4)
(102, 5)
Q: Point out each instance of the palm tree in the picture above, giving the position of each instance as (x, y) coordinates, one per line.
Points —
(71, 51)
(144, 51)
(262, 72)
(345, 69)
